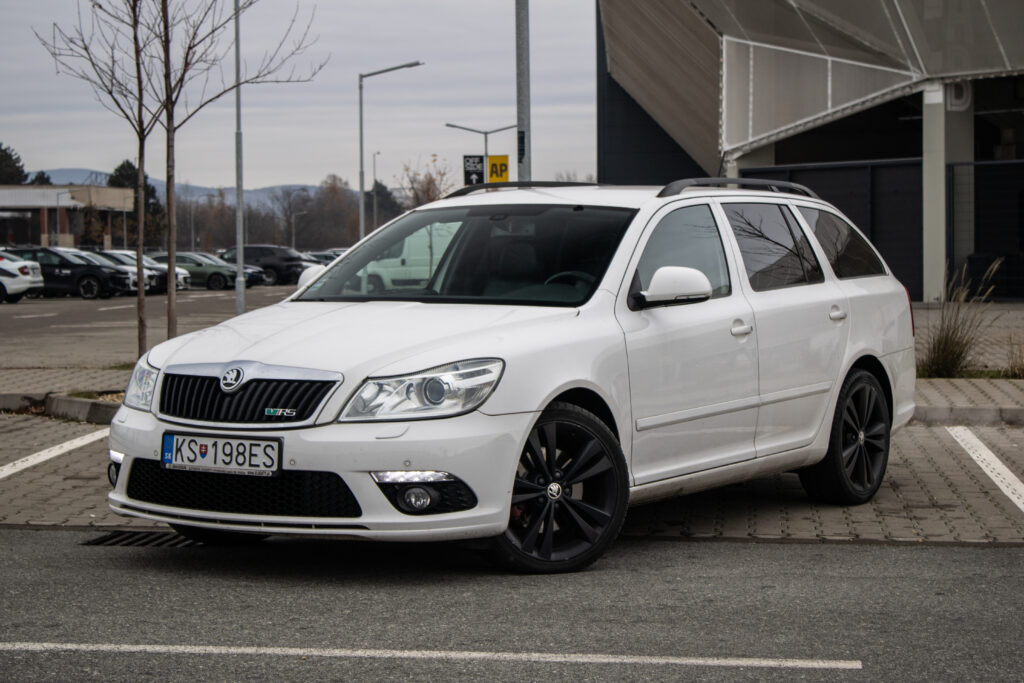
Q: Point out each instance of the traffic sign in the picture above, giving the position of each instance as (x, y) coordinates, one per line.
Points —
(497, 169)
(473, 169)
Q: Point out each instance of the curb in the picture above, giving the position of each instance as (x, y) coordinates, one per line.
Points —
(62, 406)
(969, 415)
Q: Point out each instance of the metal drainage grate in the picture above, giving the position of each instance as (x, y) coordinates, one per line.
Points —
(144, 539)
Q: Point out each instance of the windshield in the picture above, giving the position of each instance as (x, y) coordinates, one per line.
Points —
(119, 258)
(210, 258)
(91, 258)
(74, 258)
(544, 255)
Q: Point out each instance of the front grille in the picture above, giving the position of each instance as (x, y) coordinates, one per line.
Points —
(200, 398)
(289, 494)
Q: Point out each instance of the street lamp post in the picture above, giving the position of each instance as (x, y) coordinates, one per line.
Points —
(68, 193)
(297, 213)
(362, 187)
(375, 189)
(485, 133)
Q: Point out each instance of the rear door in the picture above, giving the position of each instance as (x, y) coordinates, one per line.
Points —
(692, 367)
(800, 319)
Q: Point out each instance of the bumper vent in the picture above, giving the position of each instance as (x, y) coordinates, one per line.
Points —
(194, 397)
(290, 494)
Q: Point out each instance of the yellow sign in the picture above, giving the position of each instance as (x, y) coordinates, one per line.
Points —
(497, 169)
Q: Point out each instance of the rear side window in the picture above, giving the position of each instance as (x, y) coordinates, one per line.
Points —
(847, 251)
(687, 237)
(776, 252)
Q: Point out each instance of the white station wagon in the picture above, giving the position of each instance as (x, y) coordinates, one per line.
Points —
(564, 352)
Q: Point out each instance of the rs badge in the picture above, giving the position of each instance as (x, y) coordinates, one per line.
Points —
(279, 412)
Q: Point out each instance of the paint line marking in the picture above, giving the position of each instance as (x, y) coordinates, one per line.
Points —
(443, 655)
(999, 473)
(115, 308)
(52, 452)
(37, 315)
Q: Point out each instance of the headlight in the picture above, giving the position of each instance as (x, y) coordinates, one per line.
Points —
(139, 393)
(439, 392)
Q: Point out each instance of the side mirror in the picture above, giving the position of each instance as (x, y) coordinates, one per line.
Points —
(672, 285)
(310, 274)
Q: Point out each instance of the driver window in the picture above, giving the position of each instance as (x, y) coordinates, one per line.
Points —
(687, 237)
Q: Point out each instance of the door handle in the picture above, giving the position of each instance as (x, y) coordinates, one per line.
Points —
(837, 314)
(740, 329)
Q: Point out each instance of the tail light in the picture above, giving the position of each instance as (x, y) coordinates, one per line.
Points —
(913, 332)
(24, 270)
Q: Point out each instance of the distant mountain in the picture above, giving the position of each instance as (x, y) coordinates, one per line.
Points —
(86, 176)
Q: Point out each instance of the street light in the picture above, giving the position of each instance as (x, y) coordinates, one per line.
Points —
(362, 186)
(68, 193)
(485, 133)
(297, 213)
(375, 189)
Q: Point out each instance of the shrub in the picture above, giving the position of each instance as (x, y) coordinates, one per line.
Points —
(950, 344)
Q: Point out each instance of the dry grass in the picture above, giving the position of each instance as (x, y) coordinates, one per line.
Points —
(950, 344)
(1015, 360)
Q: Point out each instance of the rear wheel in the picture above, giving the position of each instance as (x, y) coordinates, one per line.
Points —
(217, 537)
(10, 298)
(3, 294)
(858, 448)
(374, 284)
(569, 497)
(271, 276)
(216, 281)
(88, 287)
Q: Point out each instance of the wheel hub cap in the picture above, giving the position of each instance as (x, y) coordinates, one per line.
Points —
(860, 437)
(554, 490)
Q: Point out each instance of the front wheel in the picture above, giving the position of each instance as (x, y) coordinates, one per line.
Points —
(569, 497)
(216, 281)
(88, 287)
(858, 448)
(271, 277)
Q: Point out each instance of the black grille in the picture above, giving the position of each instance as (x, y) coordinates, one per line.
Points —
(200, 398)
(289, 494)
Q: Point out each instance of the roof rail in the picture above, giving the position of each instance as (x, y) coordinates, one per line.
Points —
(678, 186)
(519, 184)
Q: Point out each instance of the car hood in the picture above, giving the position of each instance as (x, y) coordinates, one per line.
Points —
(360, 339)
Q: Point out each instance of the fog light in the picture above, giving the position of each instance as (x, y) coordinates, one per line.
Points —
(417, 498)
(113, 469)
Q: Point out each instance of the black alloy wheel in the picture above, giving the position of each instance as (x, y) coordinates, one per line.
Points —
(216, 281)
(271, 276)
(569, 497)
(858, 449)
(88, 287)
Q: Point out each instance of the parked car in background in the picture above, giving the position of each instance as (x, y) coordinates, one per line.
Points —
(322, 257)
(559, 353)
(20, 277)
(66, 273)
(253, 274)
(183, 279)
(149, 277)
(202, 272)
(281, 265)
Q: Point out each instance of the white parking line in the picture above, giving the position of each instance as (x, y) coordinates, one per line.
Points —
(42, 456)
(442, 655)
(115, 308)
(1006, 480)
(37, 315)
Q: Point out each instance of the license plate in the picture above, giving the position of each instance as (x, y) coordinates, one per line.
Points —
(203, 453)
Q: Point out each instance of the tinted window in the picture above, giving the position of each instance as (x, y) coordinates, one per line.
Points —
(497, 254)
(687, 237)
(847, 251)
(775, 251)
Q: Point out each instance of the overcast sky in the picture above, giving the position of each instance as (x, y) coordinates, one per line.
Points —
(299, 133)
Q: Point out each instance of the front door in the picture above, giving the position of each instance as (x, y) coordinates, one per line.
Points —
(692, 367)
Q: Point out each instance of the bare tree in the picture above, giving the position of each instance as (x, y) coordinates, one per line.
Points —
(426, 184)
(190, 36)
(108, 50)
(289, 202)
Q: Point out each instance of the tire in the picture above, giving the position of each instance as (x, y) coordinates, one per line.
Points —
(569, 497)
(858, 447)
(271, 277)
(88, 287)
(11, 298)
(374, 284)
(217, 537)
(3, 295)
(216, 281)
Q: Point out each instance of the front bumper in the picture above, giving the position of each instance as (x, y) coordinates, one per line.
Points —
(481, 450)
